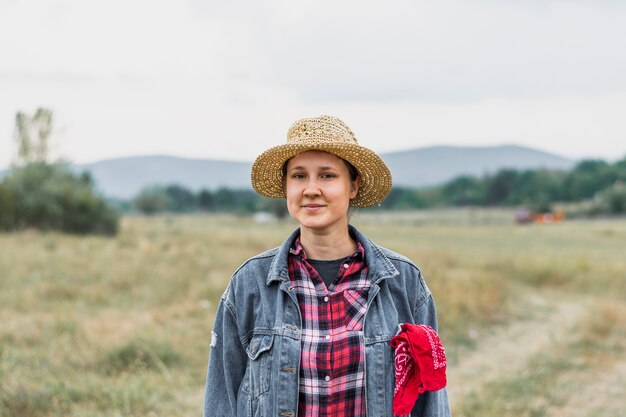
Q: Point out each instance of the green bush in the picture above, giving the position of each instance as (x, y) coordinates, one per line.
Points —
(51, 197)
(611, 200)
(8, 208)
(153, 200)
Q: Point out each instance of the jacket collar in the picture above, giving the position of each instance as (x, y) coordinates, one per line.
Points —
(378, 264)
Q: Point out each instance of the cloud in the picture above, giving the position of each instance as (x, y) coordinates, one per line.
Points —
(328, 52)
(451, 51)
(152, 38)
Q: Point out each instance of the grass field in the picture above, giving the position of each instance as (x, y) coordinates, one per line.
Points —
(533, 317)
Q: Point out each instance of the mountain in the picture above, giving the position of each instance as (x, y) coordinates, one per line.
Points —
(125, 177)
(437, 164)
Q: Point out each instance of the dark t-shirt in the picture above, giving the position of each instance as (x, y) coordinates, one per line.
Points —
(328, 270)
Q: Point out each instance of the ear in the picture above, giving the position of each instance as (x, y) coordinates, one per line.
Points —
(354, 187)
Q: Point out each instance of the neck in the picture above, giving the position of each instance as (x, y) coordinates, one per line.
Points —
(327, 245)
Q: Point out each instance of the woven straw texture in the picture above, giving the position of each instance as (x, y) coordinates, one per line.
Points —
(329, 134)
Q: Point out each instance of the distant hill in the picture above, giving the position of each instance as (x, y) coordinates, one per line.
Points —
(438, 164)
(125, 177)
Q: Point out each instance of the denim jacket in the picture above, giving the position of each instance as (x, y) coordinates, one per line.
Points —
(255, 344)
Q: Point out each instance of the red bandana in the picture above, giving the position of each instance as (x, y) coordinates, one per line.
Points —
(420, 361)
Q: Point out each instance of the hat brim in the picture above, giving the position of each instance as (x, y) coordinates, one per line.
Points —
(267, 176)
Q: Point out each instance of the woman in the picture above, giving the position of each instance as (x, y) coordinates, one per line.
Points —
(304, 329)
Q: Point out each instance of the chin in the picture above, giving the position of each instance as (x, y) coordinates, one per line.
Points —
(319, 223)
(313, 224)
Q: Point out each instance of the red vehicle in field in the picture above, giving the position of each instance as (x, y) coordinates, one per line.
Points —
(523, 216)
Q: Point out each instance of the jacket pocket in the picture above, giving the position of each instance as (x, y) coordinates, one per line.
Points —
(259, 366)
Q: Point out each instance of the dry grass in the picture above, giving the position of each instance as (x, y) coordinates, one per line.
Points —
(561, 373)
(94, 326)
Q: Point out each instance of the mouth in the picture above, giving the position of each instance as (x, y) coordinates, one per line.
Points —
(312, 207)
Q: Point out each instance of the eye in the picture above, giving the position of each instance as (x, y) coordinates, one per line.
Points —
(298, 176)
(327, 176)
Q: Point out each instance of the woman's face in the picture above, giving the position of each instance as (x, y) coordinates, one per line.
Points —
(319, 189)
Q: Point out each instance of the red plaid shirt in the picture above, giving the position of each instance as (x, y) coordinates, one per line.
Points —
(332, 372)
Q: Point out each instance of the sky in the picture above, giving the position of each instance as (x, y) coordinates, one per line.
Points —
(225, 80)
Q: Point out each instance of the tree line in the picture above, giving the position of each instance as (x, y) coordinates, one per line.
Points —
(597, 181)
(178, 199)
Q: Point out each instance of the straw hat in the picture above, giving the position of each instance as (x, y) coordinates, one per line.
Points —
(328, 134)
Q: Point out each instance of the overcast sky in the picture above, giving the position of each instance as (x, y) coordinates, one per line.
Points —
(225, 80)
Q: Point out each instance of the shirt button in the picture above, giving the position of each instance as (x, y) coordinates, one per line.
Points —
(327, 337)
(345, 266)
(326, 299)
(327, 378)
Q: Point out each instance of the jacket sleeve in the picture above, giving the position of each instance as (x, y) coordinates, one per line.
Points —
(227, 364)
(430, 403)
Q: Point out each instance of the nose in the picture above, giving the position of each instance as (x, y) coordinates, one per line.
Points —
(312, 188)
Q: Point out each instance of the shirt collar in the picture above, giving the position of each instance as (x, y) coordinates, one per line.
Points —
(380, 267)
(297, 250)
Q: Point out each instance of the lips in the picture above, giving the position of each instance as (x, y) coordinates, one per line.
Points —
(311, 208)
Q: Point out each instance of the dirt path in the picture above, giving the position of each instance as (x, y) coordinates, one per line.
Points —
(507, 349)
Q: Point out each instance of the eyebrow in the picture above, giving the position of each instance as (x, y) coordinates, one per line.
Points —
(322, 168)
